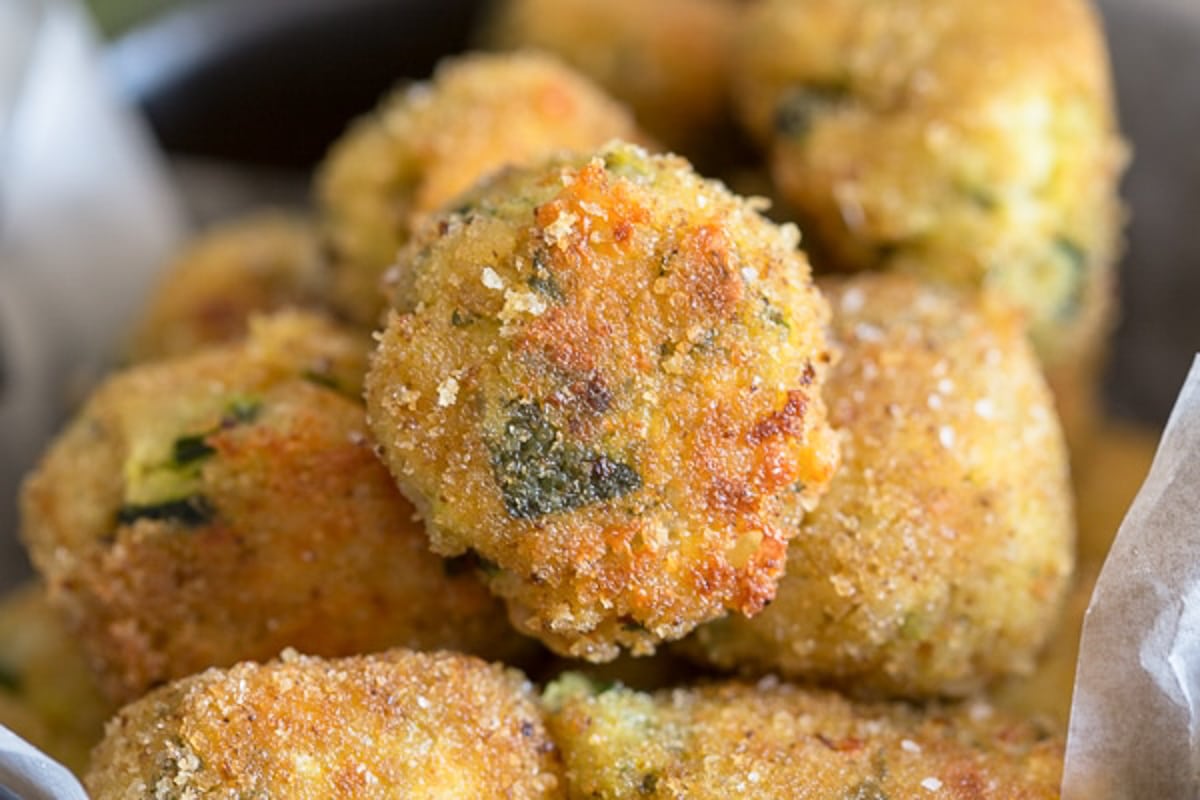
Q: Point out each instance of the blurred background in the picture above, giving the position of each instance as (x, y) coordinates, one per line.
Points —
(244, 96)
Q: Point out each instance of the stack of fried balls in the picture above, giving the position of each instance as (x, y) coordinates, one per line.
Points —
(530, 463)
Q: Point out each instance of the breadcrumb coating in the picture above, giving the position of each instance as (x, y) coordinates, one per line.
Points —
(223, 506)
(938, 559)
(636, 357)
(973, 143)
(429, 142)
(772, 740)
(398, 724)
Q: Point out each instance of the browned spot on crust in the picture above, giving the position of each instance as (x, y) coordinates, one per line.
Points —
(788, 421)
(730, 496)
(702, 262)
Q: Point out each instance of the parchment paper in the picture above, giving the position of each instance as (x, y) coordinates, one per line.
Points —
(87, 216)
(25, 771)
(1135, 717)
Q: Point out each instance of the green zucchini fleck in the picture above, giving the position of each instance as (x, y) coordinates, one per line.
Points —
(322, 379)
(799, 107)
(542, 281)
(868, 789)
(461, 319)
(188, 449)
(192, 511)
(1075, 260)
(241, 411)
(774, 315)
(539, 472)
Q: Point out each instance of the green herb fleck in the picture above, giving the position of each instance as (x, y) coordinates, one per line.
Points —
(627, 162)
(542, 281)
(541, 473)
(545, 286)
(774, 315)
(914, 626)
(323, 379)
(978, 196)
(461, 319)
(241, 411)
(868, 789)
(1070, 253)
(192, 511)
(191, 448)
(801, 105)
(598, 686)
(649, 783)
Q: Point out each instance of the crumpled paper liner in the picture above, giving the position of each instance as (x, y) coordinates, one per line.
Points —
(1135, 717)
(87, 216)
(33, 775)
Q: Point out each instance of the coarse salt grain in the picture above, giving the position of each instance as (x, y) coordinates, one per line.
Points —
(946, 436)
(491, 279)
(447, 392)
(559, 231)
(853, 300)
(909, 746)
(931, 784)
(985, 408)
(867, 332)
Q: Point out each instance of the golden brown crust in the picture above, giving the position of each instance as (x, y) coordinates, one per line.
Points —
(221, 507)
(604, 381)
(939, 556)
(261, 263)
(47, 693)
(428, 143)
(778, 741)
(399, 724)
(668, 59)
(968, 142)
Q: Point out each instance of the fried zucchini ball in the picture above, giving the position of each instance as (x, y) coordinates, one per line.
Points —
(398, 724)
(938, 558)
(47, 693)
(221, 507)
(605, 381)
(778, 741)
(428, 143)
(265, 262)
(968, 142)
(668, 59)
